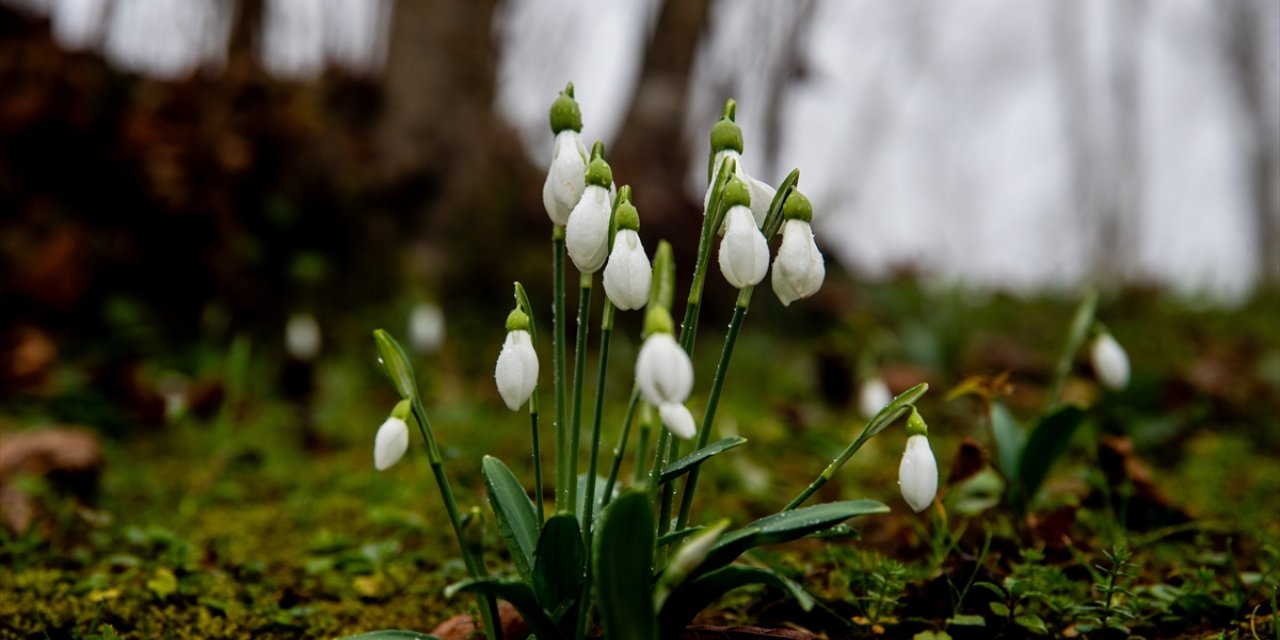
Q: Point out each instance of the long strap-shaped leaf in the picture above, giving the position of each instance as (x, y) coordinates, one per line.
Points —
(688, 463)
(560, 564)
(785, 527)
(515, 513)
(623, 557)
(686, 601)
(519, 595)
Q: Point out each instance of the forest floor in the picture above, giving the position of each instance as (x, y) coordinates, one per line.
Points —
(263, 516)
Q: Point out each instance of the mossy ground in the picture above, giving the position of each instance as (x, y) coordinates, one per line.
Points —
(246, 524)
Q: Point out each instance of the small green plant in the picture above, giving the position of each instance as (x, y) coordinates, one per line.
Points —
(1112, 610)
(628, 557)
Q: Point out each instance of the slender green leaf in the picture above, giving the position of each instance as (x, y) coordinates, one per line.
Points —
(676, 536)
(686, 464)
(1047, 442)
(785, 527)
(395, 363)
(392, 634)
(515, 513)
(519, 595)
(558, 565)
(1009, 440)
(581, 497)
(695, 595)
(897, 408)
(623, 557)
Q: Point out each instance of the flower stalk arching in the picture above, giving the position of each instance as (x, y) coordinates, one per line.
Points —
(396, 364)
(772, 222)
(522, 302)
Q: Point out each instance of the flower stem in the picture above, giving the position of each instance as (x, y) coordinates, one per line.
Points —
(589, 500)
(537, 455)
(713, 401)
(621, 449)
(642, 449)
(488, 608)
(557, 348)
(579, 365)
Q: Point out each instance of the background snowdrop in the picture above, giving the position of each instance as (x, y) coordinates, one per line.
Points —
(918, 471)
(516, 372)
(665, 374)
(1110, 362)
(798, 269)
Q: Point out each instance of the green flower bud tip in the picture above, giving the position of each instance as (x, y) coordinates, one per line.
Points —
(916, 425)
(395, 363)
(736, 193)
(726, 135)
(729, 111)
(599, 173)
(402, 410)
(517, 320)
(658, 320)
(597, 150)
(797, 207)
(565, 113)
(626, 216)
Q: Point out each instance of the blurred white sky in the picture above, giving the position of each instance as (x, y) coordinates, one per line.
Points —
(984, 141)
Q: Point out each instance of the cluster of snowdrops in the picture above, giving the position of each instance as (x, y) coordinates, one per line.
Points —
(620, 555)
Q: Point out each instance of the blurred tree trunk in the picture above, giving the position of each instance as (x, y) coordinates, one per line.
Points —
(1247, 25)
(650, 151)
(1121, 209)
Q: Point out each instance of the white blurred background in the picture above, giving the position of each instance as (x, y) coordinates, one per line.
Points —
(1025, 145)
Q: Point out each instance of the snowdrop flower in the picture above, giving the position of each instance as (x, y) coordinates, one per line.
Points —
(426, 327)
(517, 370)
(564, 185)
(918, 471)
(393, 438)
(302, 336)
(798, 269)
(587, 233)
(1110, 362)
(726, 144)
(628, 274)
(744, 253)
(873, 396)
(665, 374)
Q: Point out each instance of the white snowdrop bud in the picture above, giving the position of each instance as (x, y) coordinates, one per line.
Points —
(665, 374)
(873, 396)
(564, 185)
(426, 327)
(302, 336)
(1110, 362)
(393, 438)
(586, 236)
(628, 274)
(517, 370)
(798, 270)
(918, 471)
(744, 254)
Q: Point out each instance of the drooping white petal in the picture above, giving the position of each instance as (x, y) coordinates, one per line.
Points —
(677, 419)
(744, 254)
(628, 274)
(1110, 362)
(426, 327)
(517, 370)
(761, 193)
(586, 236)
(873, 396)
(918, 473)
(566, 176)
(390, 443)
(663, 370)
(302, 336)
(798, 270)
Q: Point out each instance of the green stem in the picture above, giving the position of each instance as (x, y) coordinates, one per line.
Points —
(589, 500)
(537, 455)
(713, 401)
(621, 449)
(557, 348)
(835, 465)
(488, 608)
(642, 450)
(1076, 336)
(579, 365)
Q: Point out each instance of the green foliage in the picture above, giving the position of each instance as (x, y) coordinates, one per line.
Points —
(623, 562)
(517, 520)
